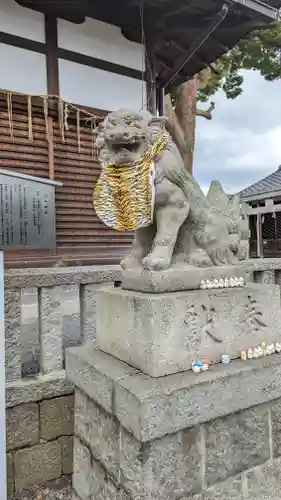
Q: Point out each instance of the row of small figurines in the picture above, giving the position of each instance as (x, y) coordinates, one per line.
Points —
(261, 350)
(222, 283)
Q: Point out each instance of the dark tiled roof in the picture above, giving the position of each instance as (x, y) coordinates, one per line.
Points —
(270, 183)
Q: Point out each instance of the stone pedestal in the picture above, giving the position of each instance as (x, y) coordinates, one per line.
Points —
(162, 334)
(208, 436)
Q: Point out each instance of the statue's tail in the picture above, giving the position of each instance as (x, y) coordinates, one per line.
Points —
(233, 211)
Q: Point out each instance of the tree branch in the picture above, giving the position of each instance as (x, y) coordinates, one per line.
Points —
(206, 113)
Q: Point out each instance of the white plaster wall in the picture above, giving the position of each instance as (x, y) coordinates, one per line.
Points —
(98, 89)
(22, 70)
(103, 41)
(20, 21)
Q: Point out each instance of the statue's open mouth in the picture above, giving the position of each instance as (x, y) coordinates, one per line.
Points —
(131, 147)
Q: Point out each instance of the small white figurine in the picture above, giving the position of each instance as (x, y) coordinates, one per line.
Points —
(226, 282)
(277, 347)
(250, 353)
(241, 281)
(260, 353)
(208, 284)
(203, 285)
(221, 283)
(237, 282)
(232, 282)
(263, 348)
(243, 355)
(216, 284)
(270, 349)
(196, 369)
(256, 353)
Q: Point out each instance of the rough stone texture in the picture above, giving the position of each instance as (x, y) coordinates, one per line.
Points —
(88, 475)
(231, 489)
(88, 310)
(42, 387)
(159, 469)
(37, 464)
(67, 454)
(236, 442)
(99, 429)
(96, 372)
(22, 426)
(163, 334)
(276, 427)
(171, 403)
(56, 417)
(58, 276)
(176, 278)
(50, 325)
(264, 482)
(13, 345)
(10, 474)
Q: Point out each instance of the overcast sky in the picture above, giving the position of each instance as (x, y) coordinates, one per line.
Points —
(242, 144)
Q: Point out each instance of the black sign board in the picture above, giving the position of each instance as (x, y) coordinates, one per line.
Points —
(27, 211)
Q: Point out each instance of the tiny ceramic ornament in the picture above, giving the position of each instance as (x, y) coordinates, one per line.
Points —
(263, 348)
(203, 285)
(278, 347)
(243, 355)
(225, 359)
(241, 281)
(270, 349)
(199, 366)
(257, 352)
(250, 353)
(232, 282)
(216, 284)
(221, 283)
(226, 283)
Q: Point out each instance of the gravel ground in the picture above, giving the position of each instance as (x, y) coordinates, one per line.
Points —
(58, 490)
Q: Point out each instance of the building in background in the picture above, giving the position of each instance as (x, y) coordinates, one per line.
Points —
(263, 201)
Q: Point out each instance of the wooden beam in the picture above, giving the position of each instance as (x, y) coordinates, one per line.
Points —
(51, 149)
(52, 64)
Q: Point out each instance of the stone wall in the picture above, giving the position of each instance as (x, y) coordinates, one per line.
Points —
(212, 436)
(39, 442)
(234, 457)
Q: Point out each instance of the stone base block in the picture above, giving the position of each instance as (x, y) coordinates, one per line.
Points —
(161, 334)
(179, 277)
(184, 436)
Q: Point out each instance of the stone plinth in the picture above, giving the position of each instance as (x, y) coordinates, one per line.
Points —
(162, 334)
(187, 436)
(179, 277)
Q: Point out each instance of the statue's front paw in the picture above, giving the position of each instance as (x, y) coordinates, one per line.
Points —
(130, 262)
(156, 262)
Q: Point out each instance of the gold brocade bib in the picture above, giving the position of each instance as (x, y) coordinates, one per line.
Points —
(124, 195)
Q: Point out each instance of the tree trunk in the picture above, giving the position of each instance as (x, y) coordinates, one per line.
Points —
(186, 113)
(181, 122)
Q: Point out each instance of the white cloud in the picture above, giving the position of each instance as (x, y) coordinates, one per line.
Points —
(241, 145)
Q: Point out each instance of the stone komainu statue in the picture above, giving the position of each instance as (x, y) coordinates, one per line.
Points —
(144, 187)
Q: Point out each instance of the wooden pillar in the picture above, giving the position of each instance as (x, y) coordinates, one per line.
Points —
(259, 236)
(51, 34)
(150, 76)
